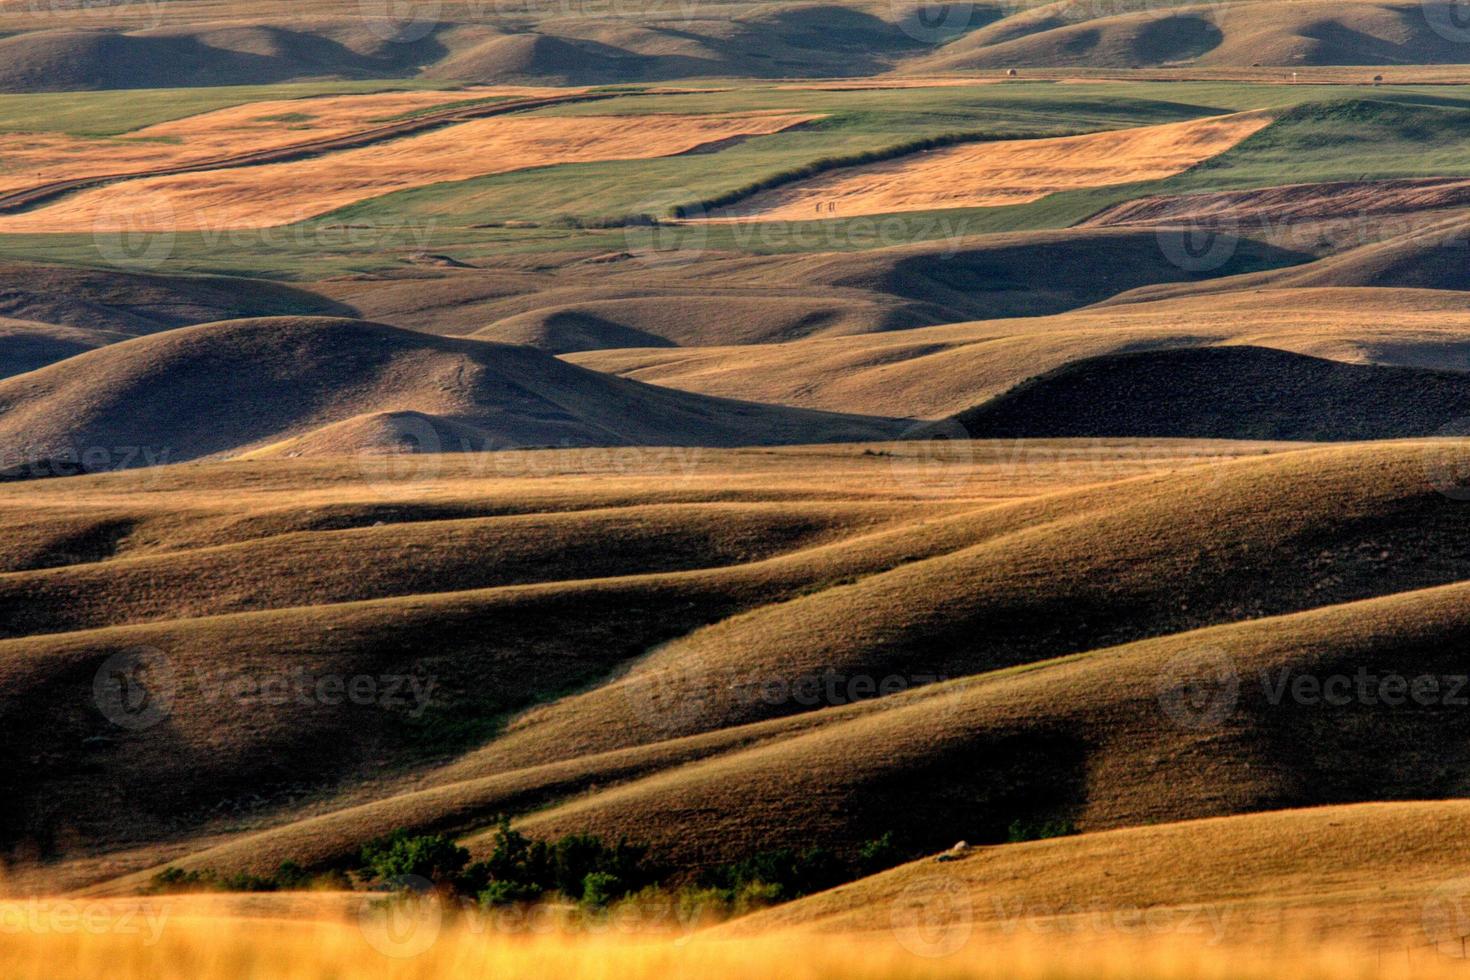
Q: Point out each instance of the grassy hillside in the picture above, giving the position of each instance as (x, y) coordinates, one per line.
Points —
(1238, 880)
(256, 557)
(938, 371)
(220, 389)
(1235, 392)
(651, 729)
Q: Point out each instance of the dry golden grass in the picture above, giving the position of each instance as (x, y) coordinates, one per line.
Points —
(932, 372)
(418, 944)
(36, 158)
(291, 386)
(1368, 874)
(281, 193)
(279, 562)
(673, 753)
(1014, 172)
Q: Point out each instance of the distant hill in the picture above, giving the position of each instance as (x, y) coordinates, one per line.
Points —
(333, 40)
(1231, 392)
(223, 388)
(1263, 32)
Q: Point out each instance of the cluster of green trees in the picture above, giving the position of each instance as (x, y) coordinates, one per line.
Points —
(290, 876)
(582, 868)
(579, 867)
(1020, 831)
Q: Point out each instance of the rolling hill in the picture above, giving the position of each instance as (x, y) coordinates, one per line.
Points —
(939, 371)
(757, 431)
(1235, 392)
(239, 385)
(209, 44)
(1022, 605)
(1266, 32)
(1238, 880)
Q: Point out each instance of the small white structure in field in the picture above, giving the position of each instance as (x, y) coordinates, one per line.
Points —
(954, 853)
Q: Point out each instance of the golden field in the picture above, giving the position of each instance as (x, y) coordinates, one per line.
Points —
(191, 946)
(792, 490)
(282, 193)
(39, 157)
(1014, 172)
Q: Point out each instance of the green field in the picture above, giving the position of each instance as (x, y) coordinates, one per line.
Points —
(114, 112)
(1323, 133)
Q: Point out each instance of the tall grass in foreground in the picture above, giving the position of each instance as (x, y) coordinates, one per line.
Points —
(315, 948)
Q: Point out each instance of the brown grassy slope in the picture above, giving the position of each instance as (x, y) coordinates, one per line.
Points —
(1066, 574)
(137, 303)
(590, 302)
(545, 58)
(320, 568)
(172, 509)
(1365, 873)
(664, 319)
(1024, 274)
(205, 44)
(1235, 392)
(224, 388)
(592, 305)
(213, 44)
(490, 651)
(78, 55)
(941, 370)
(1090, 740)
(26, 345)
(1428, 254)
(1275, 32)
(1293, 204)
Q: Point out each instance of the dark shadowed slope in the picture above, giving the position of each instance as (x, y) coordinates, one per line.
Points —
(1232, 392)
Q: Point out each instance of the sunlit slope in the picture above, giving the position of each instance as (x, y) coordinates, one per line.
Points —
(941, 370)
(1109, 739)
(471, 571)
(224, 388)
(1386, 873)
(1270, 32)
(1194, 560)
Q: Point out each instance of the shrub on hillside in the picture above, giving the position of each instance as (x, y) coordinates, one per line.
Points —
(399, 855)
